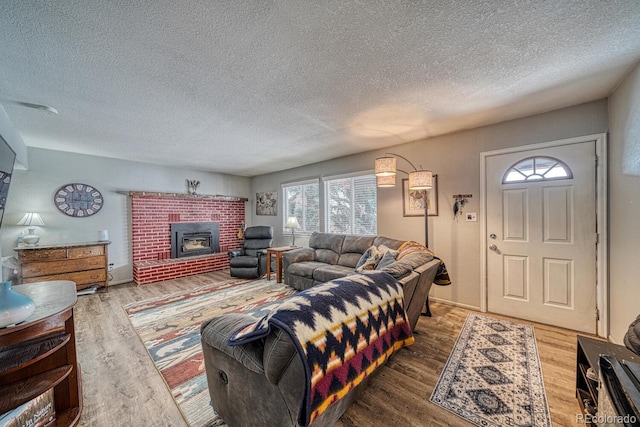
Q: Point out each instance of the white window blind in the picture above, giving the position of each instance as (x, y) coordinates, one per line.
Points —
(351, 205)
(302, 200)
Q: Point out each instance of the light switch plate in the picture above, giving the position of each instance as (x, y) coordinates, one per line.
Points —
(472, 216)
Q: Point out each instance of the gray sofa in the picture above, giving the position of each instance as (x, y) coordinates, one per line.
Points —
(262, 383)
(331, 256)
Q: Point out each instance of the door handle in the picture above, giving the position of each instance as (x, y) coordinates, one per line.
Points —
(493, 248)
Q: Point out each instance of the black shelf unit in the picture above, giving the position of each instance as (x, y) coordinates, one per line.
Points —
(588, 355)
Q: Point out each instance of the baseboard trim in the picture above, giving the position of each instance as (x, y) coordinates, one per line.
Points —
(457, 304)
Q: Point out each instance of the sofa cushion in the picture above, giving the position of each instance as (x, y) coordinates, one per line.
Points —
(352, 249)
(327, 256)
(243, 261)
(406, 265)
(331, 272)
(326, 241)
(357, 244)
(305, 269)
(398, 269)
(388, 242)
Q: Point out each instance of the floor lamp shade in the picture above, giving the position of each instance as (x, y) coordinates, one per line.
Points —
(420, 180)
(385, 166)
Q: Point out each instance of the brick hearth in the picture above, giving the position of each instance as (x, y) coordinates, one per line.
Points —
(151, 215)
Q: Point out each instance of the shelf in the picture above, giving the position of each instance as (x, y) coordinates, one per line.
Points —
(160, 195)
(67, 418)
(23, 354)
(21, 392)
(593, 389)
(582, 395)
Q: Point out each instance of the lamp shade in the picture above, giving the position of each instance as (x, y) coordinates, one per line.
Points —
(292, 222)
(31, 218)
(385, 166)
(386, 181)
(420, 180)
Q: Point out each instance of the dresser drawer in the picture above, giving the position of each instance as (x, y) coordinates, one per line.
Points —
(81, 278)
(85, 252)
(43, 254)
(38, 269)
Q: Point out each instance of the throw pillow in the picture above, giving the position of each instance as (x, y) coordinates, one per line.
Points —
(388, 258)
(384, 249)
(364, 258)
(375, 255)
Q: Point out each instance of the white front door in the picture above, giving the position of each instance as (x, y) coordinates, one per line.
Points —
(541, 235)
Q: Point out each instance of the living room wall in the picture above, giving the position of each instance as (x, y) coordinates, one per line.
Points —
(32, 190)
(455, 158)
(624, 205)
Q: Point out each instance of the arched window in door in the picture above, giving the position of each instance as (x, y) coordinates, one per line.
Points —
(537, 169)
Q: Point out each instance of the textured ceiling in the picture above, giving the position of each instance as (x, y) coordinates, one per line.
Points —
(249, 87)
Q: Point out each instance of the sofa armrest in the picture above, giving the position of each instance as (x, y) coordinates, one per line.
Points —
(261, 252)
(236, 252)
(298, 255)
(279, 355)
(216, 333)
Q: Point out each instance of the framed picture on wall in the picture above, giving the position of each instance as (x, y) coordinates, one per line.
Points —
(267, 203)
(412, 203)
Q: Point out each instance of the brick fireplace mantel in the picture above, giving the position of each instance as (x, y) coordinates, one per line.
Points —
(151, 216)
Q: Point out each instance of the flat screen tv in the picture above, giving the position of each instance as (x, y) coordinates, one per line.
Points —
(7, 159)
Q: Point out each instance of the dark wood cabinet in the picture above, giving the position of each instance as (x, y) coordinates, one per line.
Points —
(39, 354)
(588, 369)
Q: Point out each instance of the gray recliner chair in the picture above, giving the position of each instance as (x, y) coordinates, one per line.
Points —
(250, 261)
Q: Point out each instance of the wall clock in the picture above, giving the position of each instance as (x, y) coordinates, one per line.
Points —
(78, 200)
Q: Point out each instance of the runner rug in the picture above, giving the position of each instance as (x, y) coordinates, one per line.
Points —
(493, 375)
(169, 327)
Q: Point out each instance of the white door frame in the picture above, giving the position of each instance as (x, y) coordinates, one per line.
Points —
(602, 202)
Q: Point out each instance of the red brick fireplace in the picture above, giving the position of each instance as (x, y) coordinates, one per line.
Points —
(151, 217)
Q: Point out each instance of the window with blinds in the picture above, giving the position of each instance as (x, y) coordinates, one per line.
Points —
(302, 200)
(351, 205)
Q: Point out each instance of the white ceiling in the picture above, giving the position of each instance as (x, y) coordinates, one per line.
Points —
(249, 87)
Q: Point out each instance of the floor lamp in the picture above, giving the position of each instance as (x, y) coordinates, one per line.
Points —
(385, 169)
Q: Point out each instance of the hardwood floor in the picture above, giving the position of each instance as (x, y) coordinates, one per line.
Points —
(122, 387)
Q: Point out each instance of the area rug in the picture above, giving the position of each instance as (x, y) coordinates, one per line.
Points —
(493, 375)
(169, 327)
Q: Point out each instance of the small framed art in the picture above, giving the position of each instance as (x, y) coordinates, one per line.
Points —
(412, 203)
(267, 203)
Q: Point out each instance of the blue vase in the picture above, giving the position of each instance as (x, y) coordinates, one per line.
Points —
(14, 307)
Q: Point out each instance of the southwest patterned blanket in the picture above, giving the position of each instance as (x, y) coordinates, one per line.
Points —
(343, 330)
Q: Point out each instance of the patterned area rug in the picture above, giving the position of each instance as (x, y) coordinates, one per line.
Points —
(169, 327)
(493, 375)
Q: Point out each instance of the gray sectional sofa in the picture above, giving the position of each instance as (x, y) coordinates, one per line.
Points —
(331, 256)
(262, 383)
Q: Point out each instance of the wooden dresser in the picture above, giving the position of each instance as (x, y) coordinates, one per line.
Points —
(86, 264)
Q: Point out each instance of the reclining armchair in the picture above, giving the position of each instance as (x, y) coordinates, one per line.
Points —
(250, 261)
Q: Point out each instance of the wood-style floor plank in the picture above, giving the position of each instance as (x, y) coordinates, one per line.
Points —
(122, 387)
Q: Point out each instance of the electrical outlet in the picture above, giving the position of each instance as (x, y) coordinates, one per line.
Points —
(110, 266)
(472, 216)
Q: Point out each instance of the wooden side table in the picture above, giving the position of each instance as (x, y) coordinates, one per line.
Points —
(39, 354)
(278, 253)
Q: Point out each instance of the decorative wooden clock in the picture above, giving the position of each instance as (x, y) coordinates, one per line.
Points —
(78, 200)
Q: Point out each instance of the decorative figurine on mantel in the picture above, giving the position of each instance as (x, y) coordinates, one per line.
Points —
(193, 185)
